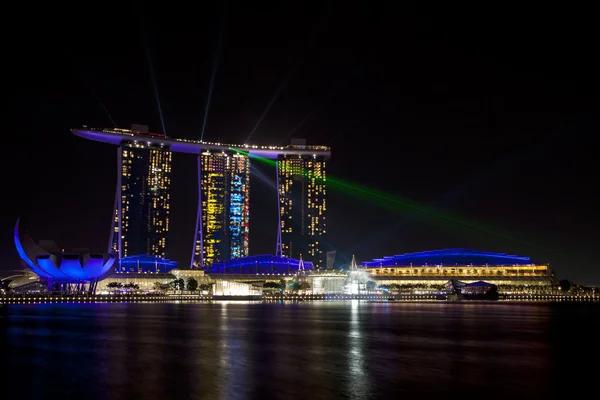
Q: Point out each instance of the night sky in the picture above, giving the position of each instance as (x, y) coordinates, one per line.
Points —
(488, 115)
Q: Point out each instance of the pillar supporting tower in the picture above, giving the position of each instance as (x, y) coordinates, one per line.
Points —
(279, 244)
(117, 211)
(198, 234)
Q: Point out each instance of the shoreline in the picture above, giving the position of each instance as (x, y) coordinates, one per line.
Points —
(58, 299)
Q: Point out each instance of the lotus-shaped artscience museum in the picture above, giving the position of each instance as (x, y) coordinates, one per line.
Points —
(53, 264)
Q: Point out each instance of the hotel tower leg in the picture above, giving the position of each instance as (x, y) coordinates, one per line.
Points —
(114, 243)
(279, 245)
(198, 239)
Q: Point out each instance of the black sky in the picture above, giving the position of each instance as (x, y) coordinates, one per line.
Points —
(488, 114)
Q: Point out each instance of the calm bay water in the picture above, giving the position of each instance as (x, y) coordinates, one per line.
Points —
(321, 350)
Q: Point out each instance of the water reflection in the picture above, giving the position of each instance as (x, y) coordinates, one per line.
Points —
(233, 357)
(295, 350)
(358, 386)
(223, 338)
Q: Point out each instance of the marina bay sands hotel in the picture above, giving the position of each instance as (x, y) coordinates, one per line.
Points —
(142, 201)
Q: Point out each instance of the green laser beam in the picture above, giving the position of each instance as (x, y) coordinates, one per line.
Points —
(390, 202)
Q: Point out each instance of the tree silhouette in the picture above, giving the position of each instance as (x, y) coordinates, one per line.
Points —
(271, 285)
(131, 285)
(114, 285)
(205, 287)
(565, 285)
(300, 285)
(192, 284)
(371, 285)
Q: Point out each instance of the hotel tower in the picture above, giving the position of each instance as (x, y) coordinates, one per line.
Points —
(224, 212)
(303, 206)
(141, 210)
(140, 223)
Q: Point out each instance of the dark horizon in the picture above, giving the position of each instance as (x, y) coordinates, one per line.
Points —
(488, 120)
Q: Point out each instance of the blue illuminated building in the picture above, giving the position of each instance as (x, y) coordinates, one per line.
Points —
(222, 221)
(76, 270)
(239, 206)
(145, 263)
(262, 264)
(449, 257)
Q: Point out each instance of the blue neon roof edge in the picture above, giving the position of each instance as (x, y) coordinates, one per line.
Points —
(453, 252)
(145, 258)
(262, 259)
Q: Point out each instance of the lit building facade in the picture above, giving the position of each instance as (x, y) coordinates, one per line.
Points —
(225, 213)
(234, 288)
(239, 205)
(439, 266)
(303, 207)
(141, 217)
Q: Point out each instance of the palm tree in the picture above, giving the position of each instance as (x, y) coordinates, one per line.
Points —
(205, 287)
(192, 284)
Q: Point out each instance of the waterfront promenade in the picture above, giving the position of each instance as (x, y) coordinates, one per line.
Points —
(124, 298)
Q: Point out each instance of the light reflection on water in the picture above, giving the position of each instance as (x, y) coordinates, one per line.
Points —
(358, 379)
(321, 350)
